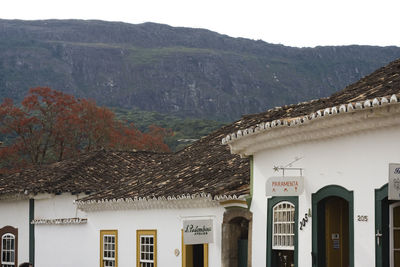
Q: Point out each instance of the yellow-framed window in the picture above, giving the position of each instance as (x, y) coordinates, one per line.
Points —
(108, 248)
(146, 248)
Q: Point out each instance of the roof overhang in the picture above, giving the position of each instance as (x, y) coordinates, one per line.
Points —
(330, 122)
(201, 200)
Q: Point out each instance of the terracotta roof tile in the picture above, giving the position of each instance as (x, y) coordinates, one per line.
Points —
(199, 168)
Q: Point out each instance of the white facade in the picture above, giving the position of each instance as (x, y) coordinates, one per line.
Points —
(15, 213)
(358, 162)
(61, 245)
(350, 150)
(79, 244)
(167, 222)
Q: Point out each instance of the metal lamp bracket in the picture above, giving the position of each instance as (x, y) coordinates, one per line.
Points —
(289, 167)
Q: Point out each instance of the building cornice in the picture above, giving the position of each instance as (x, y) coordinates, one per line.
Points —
(16, 196)
(330, 122)
(172, 202)
(242, 203)
(62, 221)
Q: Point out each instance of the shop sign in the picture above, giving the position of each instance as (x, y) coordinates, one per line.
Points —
(198, 232)
(284, 186)
(394, 181)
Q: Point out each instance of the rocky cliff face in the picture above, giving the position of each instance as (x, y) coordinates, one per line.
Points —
(181, 71)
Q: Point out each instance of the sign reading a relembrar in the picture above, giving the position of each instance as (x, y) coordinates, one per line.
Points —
(284, 186)
(197, 232)
(394, 181)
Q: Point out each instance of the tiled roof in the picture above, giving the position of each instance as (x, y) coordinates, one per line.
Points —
(90, 172)
(205, 167)
(379, 88)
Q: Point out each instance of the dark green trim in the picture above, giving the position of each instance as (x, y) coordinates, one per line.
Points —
(248, 201)
(271, 203)
(251, 175)
(328, 191)
(31, 232)
(380, 195)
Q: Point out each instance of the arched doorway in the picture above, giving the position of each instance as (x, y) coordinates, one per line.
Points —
(382, 255)
(236, 238)
(387, 225)
(394, 234)
(332, 227)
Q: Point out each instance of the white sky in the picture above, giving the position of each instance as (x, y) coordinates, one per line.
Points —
(288, 22)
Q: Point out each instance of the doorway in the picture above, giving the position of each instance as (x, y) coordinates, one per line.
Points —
(282, 237)
(336, 231)
(236, 238)
(394, 233)
(387, 225)
(195, 255)
(332, 227)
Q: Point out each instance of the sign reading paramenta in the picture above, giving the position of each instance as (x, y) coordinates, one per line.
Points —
(198, 232)
(284, 186)
(394, 181)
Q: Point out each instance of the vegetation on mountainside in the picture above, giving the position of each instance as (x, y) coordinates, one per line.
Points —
(50, 126)
(185, 130)
(184, 72)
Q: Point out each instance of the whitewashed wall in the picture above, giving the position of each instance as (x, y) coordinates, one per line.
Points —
(358, 162)
(168, 224)
(79, 245)
(61, 245)
(16, 214)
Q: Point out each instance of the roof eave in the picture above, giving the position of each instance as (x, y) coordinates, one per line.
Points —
(202, 200)
(330, 122)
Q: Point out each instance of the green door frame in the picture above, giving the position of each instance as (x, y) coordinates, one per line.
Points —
(381, 195)
(271, 203)
(321, 194)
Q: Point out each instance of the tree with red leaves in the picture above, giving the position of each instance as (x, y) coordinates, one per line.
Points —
(50, 126)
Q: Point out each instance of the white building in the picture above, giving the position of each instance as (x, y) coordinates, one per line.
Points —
(130, 209)
(321, 171)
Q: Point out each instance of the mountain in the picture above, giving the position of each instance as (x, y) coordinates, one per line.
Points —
(172, 70)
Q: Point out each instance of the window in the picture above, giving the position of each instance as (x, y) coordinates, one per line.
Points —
(146, 248)
(283, 226)
(108, 248)
(8, 250)
(282, 229)
(9, 246)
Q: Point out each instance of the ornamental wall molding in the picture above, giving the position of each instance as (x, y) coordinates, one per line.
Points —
(62, 221)
(171, 202)
(26, 196)
(14, 197)
(330, 122)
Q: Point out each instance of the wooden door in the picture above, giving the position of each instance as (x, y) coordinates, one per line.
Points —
(242, 252)
(336, 232)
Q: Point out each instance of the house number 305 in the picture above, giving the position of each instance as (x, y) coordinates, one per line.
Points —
(362, 218)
